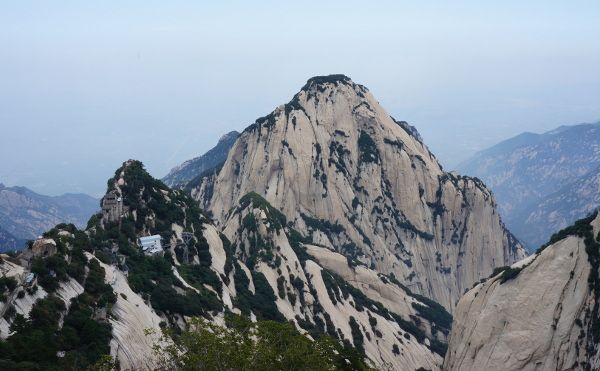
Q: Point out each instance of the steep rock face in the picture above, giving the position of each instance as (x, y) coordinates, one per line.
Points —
(354, 179)
(539, 315)
(193, 168)
(533, 169)
(135, 326)
(320, 292)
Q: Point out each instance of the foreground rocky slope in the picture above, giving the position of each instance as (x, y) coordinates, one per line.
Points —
(355, 180)
(540, 314)
(256, 265)
(533, 176)
(25, 214)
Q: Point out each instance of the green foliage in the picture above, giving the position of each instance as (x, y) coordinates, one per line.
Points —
(152, 276)
(583, 229)
(264, 345)
(7, 283)
(368, 148)
(197, 275)
(96, 288)
(84, 339)
(163, 297)
(580, 228)
(431, 311)
(264, 299)
(33, 341)
(357, 336)
(229, 257)
(322, 225)
(36, 340)
(407, 224)
(104, 363)
(275, 218)
(281, 287)
(395, 142)
(262, 302)
(296, 239)
(50, 271)
(508, 273)
(334, 79)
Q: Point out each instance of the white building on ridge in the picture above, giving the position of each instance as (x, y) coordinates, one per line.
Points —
(151, 244)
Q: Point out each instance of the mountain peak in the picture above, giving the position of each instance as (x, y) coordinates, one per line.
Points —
(334, 154)
(130, 178)
(327, 79)
(320, 82)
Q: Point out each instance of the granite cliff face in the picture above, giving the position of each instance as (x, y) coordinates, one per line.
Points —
(543, 182)
(358, 182)
(541, 314)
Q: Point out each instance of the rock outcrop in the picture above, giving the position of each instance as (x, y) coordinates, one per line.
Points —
(355, 180)
(540, 314)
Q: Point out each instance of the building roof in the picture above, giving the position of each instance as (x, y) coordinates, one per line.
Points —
(150, 238)
(150, 242)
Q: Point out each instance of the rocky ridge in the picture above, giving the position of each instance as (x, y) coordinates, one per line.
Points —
(539, 314)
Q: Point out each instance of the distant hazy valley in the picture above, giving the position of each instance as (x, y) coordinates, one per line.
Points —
(542, 182)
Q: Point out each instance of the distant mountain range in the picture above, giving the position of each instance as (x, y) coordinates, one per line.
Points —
(10, 242)
(24, 214)
(542, 182)
(193, 168)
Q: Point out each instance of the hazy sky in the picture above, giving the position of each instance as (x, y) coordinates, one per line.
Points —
(86, 85)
